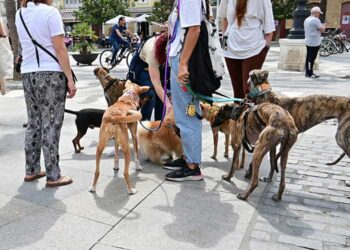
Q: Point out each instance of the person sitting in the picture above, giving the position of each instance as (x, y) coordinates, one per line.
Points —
(117, 38)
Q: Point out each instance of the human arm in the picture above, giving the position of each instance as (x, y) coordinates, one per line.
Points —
(268, 22)
(157, 84)
(322, 28)
(2, 30)
(268, 38)
(62, 56)
(189, 44)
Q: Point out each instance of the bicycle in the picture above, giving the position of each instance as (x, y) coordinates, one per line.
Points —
(327, 47)
(106, 56)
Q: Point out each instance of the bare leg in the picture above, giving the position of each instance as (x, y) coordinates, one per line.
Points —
(3, 86)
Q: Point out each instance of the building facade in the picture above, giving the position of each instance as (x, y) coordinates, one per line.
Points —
(338, 15)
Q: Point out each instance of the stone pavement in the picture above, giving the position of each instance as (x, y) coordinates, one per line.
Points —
(207, 214)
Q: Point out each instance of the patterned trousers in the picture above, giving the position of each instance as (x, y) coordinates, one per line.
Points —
(45, 96)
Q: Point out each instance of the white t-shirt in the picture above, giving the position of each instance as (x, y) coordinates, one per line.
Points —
(312, 26)
(190, 15)
(248, 39)
(43, 22)
(148, 53)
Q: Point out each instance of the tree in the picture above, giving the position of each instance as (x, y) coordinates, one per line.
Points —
(161, 10)
(10, 15)
(99, 11)
(282, 9)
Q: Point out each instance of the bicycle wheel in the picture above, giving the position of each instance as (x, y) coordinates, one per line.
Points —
(327, 47)
(338, 46)
(106, 59)
(129, 57)
(347, 44)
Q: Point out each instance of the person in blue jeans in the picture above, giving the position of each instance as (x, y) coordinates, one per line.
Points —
(117, 38)
(187, 15)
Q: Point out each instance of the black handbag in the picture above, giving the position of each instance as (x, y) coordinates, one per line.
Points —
(201, 74)
(36, 44)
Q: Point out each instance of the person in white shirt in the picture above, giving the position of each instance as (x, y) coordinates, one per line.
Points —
(248, 26)
(313, 28)
(5, 57)
(45, 84)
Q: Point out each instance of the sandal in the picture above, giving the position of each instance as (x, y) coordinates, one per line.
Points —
(64, 180)
(29, 178)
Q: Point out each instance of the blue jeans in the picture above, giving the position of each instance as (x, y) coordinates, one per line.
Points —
(115, 48)
(124, 45)
(190, 127)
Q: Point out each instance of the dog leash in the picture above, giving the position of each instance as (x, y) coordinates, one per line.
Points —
(171, 40)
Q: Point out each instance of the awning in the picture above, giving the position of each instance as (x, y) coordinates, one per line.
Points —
(129, 19)
(68, 17)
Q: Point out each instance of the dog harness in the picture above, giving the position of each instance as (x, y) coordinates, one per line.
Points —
(246, 144)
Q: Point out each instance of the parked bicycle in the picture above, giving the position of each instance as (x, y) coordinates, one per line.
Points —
(334, 42)
(106, 55)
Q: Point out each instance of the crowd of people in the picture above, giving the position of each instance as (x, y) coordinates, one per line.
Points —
(247, 28)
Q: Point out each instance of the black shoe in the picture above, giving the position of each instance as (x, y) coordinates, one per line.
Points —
(314, 76)
(175, 164)
(185, 174)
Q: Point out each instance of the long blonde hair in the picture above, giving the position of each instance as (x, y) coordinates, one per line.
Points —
(241, 8)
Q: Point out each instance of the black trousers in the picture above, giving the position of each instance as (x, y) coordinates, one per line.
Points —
(311, 54)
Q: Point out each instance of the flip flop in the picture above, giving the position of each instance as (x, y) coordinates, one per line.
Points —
(64, 180)
(29, 178)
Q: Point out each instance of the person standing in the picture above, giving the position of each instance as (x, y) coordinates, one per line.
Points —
(45, 84)
(5, 57)
(248, 27)
(186, 17)
(313, 29)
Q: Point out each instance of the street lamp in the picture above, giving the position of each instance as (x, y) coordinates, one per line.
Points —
(299, 16)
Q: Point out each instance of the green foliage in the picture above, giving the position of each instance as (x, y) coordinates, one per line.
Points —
(283, 9)
(84, 36)
(161, 11)
(100, 11)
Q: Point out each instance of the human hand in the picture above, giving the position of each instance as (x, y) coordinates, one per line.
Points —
(183, 74)
(71, 89)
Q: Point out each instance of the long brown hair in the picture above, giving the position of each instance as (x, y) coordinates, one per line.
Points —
(25, 2)
(241, 8)
(160, 50)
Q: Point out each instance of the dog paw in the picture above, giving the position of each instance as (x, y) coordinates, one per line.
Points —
(226, 177)
(248, 175)
(92, 190)
(265, 179)
(138, 167)
(226, 155)
(275, 197)
(132, 191)
(213, 157)
(242, 197)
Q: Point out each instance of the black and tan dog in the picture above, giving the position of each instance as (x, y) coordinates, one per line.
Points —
(112, 87)
(116, 121)
(265, 125)
(307, 111)
(86, 118)
(209, 113)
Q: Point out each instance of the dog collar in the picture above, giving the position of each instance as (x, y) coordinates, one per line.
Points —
(133, 95)
(106, 76)
(259, 90)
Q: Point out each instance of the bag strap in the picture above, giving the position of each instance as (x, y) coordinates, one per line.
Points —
(36, 45)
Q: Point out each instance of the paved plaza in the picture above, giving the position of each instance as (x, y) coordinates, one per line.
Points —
(314, 212)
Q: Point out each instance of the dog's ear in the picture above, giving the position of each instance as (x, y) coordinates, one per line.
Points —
(128, 84)
(143, 89)
(96, 70)
(265, 75)
(253, 78)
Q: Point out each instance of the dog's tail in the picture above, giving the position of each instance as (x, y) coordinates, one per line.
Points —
(337, 160)
(133, 116)
(71, 111)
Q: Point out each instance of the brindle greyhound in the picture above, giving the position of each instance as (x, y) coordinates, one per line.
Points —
(265, 125)
(307, 111)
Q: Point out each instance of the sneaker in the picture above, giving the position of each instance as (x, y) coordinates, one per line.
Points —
(185, 174)
(175, 165)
